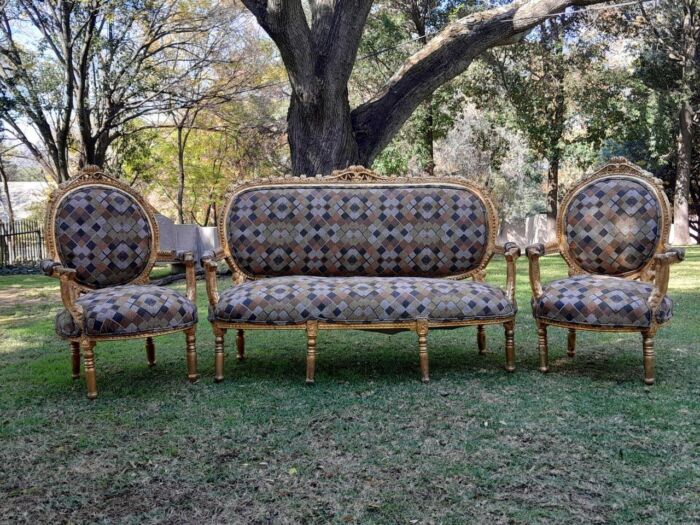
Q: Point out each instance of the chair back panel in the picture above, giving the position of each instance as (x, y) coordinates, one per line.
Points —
(333, 226)
(103, 231)
(614, 224)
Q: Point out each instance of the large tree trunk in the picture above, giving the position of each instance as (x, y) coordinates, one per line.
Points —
(181, 176)
(320, 132)
(681, 229)
(319, 47)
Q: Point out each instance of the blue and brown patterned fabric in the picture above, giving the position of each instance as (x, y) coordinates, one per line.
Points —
(290, 300)
(104, 234)
(613, 226)
(354, 230)
(129, 310)
(599, 301)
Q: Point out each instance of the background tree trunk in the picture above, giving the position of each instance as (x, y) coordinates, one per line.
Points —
(552, 197)
(681, 227)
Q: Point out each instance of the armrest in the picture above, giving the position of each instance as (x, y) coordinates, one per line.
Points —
(69, 288)
(511, 251)
(534, 253)
(210, 258)
(662, 265)
(186, 258)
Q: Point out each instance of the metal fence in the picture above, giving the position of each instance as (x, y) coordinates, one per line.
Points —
(21, 243)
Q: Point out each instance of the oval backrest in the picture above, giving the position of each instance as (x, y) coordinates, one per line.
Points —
(103, 230)
(614, 223)
(327, 227)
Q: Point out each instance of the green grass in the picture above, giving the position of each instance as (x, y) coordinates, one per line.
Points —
(369, 443)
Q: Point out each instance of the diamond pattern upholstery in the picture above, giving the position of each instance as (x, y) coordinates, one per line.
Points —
(104, 234)
(129, 310)
(296, 299)
(599, 301)
(613, 226)
(351, 230)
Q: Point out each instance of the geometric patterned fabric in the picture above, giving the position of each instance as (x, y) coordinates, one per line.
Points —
(103, 234)
(599, 301)
(297, 299)
(355, 230)
(129, 310)
(613, 226)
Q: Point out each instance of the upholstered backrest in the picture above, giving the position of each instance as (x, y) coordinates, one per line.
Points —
(339, 226)
(614, 222)
(102, 230)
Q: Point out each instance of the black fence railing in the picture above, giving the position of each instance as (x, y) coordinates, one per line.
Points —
(21, 243)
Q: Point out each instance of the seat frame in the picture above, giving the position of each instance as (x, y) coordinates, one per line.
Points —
(71, 289)
(362, 177)
(655, 271)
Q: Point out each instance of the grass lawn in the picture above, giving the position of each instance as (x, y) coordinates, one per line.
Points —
(587, 443)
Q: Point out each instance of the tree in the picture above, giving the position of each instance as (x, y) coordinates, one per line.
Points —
(319, 53)
(99, 64)
(675, 33)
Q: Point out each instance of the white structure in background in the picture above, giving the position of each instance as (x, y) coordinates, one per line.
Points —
(186, 238)
(533, 229)
(25, 197)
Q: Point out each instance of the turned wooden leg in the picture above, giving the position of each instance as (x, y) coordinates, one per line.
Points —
(481, 338)
(190, 337)
(75, 358)
(240, 345)
(422, 331)
(218, 354)
(311, 335)
(150, 351)
(510, 345)
(542, 344)
(571, 343)
(87, 347)
(648, 347)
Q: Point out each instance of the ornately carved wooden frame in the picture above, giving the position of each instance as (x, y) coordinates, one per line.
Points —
(71, 289)
(362, 177)
(655, 270)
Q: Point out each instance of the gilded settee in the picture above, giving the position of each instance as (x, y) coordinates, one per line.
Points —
(612, 231)
(358, 251)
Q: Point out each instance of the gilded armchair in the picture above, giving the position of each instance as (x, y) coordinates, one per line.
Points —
(612, 231)
(102, 240)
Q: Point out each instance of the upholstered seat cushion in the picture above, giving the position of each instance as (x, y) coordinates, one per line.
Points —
(599, 301)
(129, 310)
(296, 299)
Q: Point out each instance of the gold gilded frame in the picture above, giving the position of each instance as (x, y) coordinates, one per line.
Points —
(360, 176)
(654, 271)
(71, 289)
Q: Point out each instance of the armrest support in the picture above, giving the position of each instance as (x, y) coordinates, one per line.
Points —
(662, 265)
(511, 251)
(534, 253)
(210, 258)
(69, 288)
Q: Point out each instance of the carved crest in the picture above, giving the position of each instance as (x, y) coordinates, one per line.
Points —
(355, 173)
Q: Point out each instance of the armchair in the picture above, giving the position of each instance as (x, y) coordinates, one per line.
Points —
(612, 231)
(102, 239)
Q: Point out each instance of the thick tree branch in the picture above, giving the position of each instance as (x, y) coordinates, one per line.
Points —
(447, 55)
(285, 22)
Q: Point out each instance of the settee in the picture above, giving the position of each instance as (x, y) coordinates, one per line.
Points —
(355, 250)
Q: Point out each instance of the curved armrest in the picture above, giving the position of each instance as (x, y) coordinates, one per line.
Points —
(210, 258)
(69, 288)
(511, 251)
(534, 253)
(662, 264)
(186, 258)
